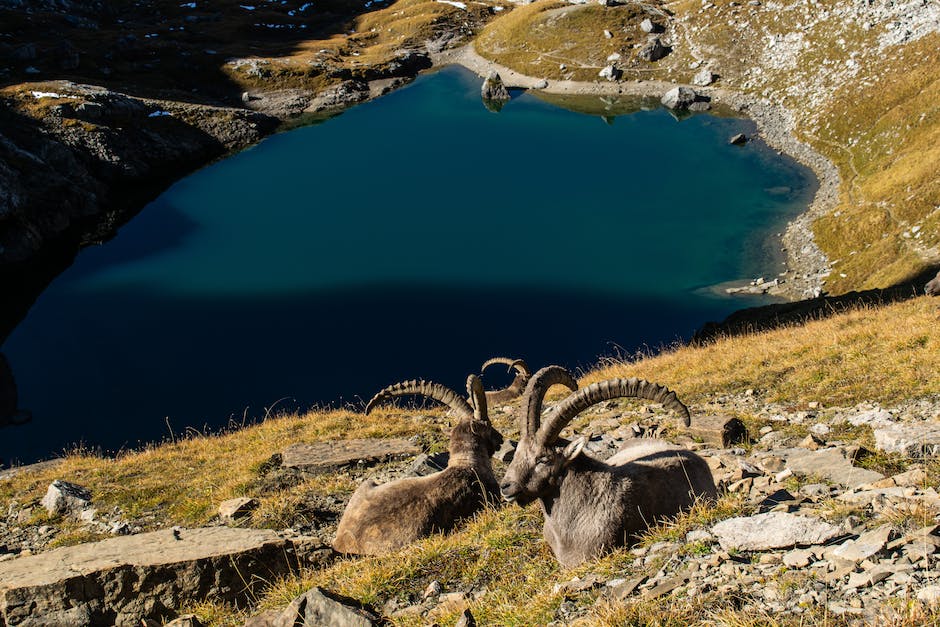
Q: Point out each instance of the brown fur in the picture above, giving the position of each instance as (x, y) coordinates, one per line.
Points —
(384, 518)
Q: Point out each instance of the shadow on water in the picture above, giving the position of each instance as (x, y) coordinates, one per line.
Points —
(235, 357)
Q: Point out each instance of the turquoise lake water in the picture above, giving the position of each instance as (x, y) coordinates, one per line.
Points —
(412, 236)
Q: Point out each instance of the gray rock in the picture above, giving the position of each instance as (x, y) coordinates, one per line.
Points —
(773, 530)
(342, 95)
(929, 595)
(679, 98)
(506, 451)
(933, 286)
(798, 558)
(466, 618)
(913, 440)
(186, 620)
(653, 50)
(704, 77)
(321, 457)
(829, 464)
(236, 509)
(649, 26)
(63, 497)
(121, 581)
(315, 608)
(610, 72)
(493, 88)
(542, 84)
(738, 140)
(866, 545)
(429, 464)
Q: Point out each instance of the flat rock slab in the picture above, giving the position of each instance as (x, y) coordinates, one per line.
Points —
(915, 440)
(829, 464)
(773, 530)
(325, 456)
(121, 581)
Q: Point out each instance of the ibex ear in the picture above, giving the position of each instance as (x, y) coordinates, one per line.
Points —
(571, 451)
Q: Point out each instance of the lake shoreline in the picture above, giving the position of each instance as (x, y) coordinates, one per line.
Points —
(807, 265)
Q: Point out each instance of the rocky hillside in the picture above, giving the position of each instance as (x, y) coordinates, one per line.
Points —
(828, 508)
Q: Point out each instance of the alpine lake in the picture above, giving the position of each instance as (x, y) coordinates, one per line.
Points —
(413, 236)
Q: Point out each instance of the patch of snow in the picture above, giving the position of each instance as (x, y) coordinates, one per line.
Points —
(459, 5)
(188, 5)
(304, 7)
(247, 7)
(159, 114)
(50, 94)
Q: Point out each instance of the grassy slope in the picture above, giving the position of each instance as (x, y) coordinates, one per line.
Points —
(879, 123)
(887, 355)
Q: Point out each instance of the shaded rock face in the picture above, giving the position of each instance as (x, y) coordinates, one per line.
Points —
(933, 286)
(123, 580)
(653, 50)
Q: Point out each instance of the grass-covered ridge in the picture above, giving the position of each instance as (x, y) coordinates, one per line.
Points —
(861, 93)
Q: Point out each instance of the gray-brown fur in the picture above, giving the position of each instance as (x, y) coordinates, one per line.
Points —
(515, 389)
(387, 517)
(592, 506)
(933, 286)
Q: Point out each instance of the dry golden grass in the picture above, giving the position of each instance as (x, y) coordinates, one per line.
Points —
(183, 482)
(885, 354)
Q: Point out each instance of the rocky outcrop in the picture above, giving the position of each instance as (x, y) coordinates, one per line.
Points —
(493, 88)
(123, 580)
(325, 456)
(316, 607)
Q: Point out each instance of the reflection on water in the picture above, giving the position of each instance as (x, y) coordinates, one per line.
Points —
(415, 236)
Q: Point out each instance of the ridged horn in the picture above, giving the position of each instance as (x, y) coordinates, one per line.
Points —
(534, 395)
(420, 387)
(521, 367)
(565, 411)
(477, 397)
(516, 387)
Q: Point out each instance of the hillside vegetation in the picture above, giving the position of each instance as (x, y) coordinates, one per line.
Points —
(884, 355)
(860, 81)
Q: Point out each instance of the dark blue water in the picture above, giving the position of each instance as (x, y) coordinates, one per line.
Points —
(414, 236)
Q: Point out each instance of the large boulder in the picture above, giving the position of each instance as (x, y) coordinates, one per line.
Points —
(123, 580)
(493, 88)
(679, 98)
(63, 497)
(653, 50)
(772, 530)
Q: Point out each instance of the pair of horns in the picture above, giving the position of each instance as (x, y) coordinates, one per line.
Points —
(564, 412)
(474, 409)
(515, 388)
(521, 368)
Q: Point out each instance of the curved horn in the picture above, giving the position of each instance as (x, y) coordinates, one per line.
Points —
(535, 391)
(436, 391)
(515, 388)
(595, 393)
(477, 398)
(519, 364)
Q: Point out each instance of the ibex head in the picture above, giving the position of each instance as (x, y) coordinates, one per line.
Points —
(540, 459)
(473, 434)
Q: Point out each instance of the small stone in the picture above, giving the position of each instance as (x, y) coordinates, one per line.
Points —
(236, 509)
(867, 545)
(653, 50)
(798, 558)
(704, 77)
(649, 26)
(434, 589)
(610, 72)
(929, 595)
(811, 442)
(63, 497)
(608, 34)
(186, 620)
(738, 140)
(466, 619)
(541, 84)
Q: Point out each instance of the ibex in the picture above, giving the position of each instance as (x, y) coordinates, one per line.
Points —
(383, 518)
(591, 506)
(514, 389)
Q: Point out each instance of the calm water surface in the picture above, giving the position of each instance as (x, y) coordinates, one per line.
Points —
(414, 236)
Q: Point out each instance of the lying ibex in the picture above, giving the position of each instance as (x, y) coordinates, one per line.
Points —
(384, 518)
(514, 389)
(592, 506)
